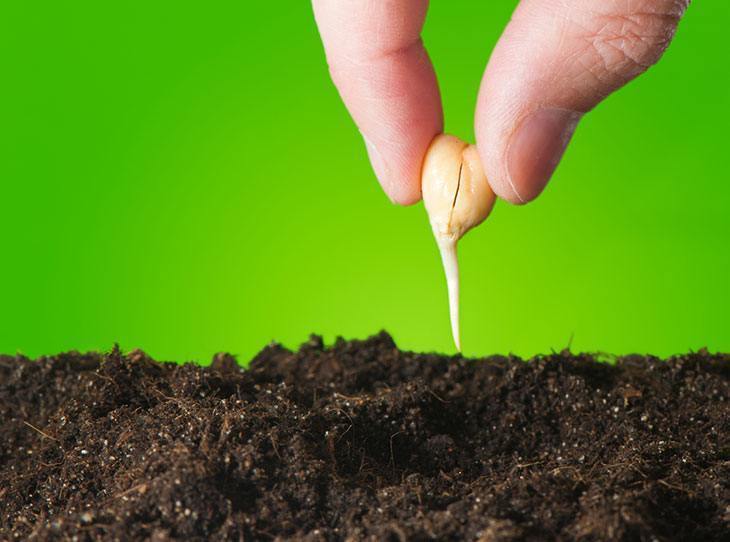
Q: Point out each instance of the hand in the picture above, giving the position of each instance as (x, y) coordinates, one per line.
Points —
(555, 61)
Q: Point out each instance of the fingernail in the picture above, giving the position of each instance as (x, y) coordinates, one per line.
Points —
(536, 148)
(379, 167)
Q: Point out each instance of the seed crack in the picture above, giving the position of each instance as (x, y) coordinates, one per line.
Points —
(456, 195)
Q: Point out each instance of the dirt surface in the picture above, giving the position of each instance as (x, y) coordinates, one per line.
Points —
(363, 441)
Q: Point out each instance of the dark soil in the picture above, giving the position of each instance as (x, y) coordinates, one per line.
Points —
(363, 441)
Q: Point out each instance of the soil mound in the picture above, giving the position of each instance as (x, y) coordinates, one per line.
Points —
(361, 441)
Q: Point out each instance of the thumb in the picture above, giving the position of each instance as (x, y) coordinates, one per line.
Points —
(555, 61)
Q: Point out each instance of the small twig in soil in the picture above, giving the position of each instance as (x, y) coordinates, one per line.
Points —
(525, 465)
(672, 486)
(103, 377)
(444, 401)
(343, 434)
(51, 465)
(139, 487)
(338, 409)
(349, 398)
(392, 456)
(274, 445)
(41, 432)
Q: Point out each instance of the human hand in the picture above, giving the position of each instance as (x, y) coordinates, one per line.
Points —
(555, 61)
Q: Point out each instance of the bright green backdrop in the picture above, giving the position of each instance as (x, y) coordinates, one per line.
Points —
(183, 179)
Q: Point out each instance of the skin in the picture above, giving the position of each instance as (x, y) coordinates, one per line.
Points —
(555, 61)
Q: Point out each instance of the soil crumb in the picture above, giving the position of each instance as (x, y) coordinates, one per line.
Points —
(360, 441)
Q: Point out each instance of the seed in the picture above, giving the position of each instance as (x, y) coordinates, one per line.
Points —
(457, 197)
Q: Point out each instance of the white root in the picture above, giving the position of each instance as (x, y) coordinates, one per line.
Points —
(447, 247)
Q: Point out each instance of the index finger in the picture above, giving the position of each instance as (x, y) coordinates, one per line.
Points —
(383, 74)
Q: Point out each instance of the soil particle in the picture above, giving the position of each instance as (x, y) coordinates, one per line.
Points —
(361, 441)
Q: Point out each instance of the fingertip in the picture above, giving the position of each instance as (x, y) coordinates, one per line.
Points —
(401, 189)
(496, 173)
(405, 197)
(400, 182)
(507, 193)
(536, 148)
(521, 169)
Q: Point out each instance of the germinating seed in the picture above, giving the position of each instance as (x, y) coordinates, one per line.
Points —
(457, 197)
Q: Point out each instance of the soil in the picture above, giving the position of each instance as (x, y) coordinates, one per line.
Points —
(361, 441)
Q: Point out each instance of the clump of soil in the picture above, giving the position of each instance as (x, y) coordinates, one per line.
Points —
(363, 441)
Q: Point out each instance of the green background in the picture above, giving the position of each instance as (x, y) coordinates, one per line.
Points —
(184, 179)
